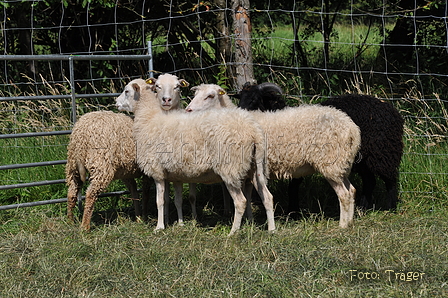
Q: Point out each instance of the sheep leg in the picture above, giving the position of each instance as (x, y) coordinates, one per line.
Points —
(260, 183)
(248, 186)
(167, 203)
(346, 195)
(226, 198)
(160, 202)
(146, 185)
(368, 184)
(96, 187)
(79, 202)
(178, 202)
(74, 191)
(391, 192)
(192, 198)
(294, 199)
(240, 205)
(131, 185)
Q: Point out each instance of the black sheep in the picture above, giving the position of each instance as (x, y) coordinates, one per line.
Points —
(381, 143)
(381, 138)
(263, 97)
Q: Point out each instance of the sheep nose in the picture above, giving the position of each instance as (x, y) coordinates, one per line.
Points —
(166, 99)
(188, 109)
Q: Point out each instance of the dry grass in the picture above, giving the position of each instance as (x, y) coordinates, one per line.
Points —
(42, 255)
(47, 257)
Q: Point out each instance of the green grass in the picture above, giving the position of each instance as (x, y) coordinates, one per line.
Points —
(346, 42)
(44, 256)
(36, 116)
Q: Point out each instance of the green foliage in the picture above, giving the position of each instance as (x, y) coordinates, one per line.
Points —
(101, 3)
(220, 78)
(192, 40)
(277, 59)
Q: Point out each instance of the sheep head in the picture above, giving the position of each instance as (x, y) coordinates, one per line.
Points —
(208, 96)
(263, 97)
(167, 89)
(130, 96)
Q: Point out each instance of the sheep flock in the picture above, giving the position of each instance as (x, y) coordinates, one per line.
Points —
(213, 140)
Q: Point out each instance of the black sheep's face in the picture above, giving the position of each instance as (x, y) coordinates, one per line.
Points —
(250, 98)
(251, 104)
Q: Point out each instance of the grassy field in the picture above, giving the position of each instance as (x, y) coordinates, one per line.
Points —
(360, 40)
(400, 254)
(385, 254)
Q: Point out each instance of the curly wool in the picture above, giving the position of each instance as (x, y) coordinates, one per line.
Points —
(101, 144)
(200, 149)
(263, 97)
(301, 141)
(381, 127)
(381, 141)
(323, 140)
(207, 147)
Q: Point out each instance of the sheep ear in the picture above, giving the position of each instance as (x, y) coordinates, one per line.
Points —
(183, 83)
(247, 86)
(151, 81)
(194, 88)
(136, 87)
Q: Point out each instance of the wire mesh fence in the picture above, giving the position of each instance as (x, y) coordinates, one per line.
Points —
(395, 50)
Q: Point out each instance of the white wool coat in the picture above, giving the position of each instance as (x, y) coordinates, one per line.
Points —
(208, 147)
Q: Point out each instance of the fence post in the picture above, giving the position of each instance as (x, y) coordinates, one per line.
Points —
(72, 87)
(150, 65)
(243, 49)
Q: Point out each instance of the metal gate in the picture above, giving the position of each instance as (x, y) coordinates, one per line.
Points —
(73, 96)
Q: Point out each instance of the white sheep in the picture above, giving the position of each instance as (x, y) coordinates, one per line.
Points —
(101, 144)
(167, 89)
(301, 141)
(201, 148)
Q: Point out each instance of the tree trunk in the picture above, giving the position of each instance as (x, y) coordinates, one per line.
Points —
(223, 36)
(243, 49)
(299, 56)
(328, 24)
(25, 43)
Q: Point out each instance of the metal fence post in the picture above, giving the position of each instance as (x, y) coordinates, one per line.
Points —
(150, 65)
(73, 96)
(72, 87)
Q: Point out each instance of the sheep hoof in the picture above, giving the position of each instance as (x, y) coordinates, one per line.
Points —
(232, 232)
(345, 225)
(158, 228)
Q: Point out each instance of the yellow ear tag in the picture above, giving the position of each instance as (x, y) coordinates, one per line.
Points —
(149, 81)
(184, 84)
(222, 92)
